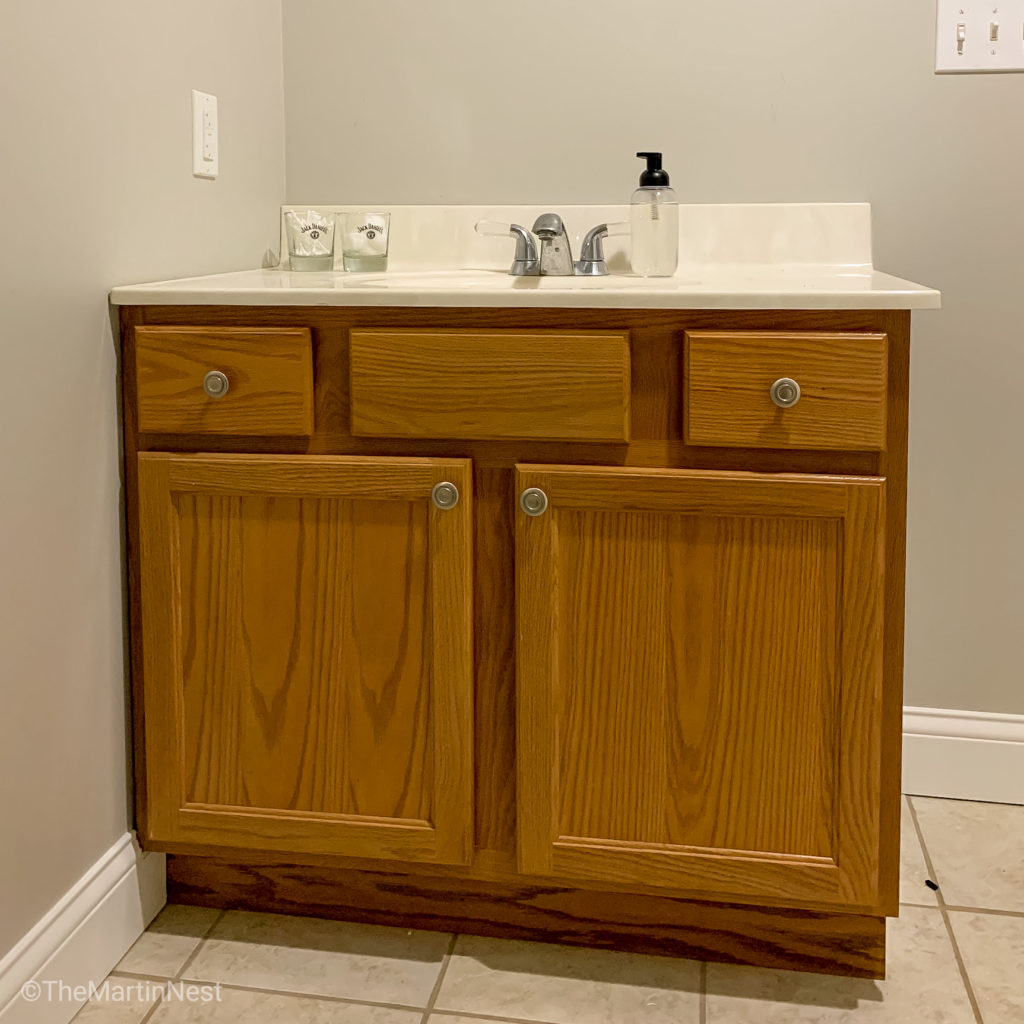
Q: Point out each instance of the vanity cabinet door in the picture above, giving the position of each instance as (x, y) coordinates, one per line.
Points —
(699, 682)
(307, 654)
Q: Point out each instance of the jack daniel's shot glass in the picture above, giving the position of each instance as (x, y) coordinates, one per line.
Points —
(310, 240)
(364, 241)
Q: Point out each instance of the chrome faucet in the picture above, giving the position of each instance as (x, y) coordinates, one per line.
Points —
(546, 250)
(555, 251)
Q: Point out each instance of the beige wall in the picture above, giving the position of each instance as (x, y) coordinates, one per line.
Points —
(546, 103)
(97, 190)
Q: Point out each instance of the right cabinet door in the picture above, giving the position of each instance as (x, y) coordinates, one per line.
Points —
(700, 680)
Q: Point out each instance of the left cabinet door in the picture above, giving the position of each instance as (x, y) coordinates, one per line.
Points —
(307, 654)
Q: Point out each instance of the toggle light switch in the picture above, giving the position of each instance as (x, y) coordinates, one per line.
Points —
(979, 35)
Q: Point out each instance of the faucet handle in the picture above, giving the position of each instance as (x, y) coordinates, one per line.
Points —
(591, 262)
(526, 261)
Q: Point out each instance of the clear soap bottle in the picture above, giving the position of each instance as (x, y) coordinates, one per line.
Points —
(654, 222)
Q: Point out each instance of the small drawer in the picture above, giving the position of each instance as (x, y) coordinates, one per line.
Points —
(224, 380)
(490, 385)
(739, 390)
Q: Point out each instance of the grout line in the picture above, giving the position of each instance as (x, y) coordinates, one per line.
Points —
(319, 996)
(704, 992)
(135, 976)
(436, 990)
(945, 913)
(199, 945)
(469, 1015)
(986, 910)
(151, 1012)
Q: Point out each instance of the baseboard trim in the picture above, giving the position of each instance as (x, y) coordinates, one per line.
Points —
(964, 755)
(85, 933)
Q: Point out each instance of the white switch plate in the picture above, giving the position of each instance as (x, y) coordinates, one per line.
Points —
(975, 21)
(205, 160)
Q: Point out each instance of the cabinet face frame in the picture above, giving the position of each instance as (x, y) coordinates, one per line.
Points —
(448, 837)
(851, 878)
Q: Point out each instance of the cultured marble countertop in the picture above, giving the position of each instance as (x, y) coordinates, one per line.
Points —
(750, 256)
(714, 288)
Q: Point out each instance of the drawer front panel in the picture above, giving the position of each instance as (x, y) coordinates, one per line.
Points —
(266, 387)
(490, 385)
(842, 390)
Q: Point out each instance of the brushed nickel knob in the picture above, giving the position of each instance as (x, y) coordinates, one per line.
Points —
(445, 495)
(785, 392)
(216, 384)
(533, 501)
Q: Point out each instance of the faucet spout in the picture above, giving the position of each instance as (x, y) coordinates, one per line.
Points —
(555, 250)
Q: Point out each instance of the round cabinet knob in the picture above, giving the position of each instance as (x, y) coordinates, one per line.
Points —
(785, 392)
(533, 501)
(216, 384)
(445, 495)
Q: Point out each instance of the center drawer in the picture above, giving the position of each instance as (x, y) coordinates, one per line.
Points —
(490, 385)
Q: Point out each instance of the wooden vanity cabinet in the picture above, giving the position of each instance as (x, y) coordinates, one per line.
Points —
(639, 686)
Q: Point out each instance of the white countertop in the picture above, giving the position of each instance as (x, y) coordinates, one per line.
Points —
(784, 256)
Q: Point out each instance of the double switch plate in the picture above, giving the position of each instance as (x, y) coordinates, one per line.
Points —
(974, 37)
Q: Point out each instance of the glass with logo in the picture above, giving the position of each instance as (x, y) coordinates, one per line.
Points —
(364, 241)
(310, 239)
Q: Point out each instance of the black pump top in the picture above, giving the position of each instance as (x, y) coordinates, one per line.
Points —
(654, 176)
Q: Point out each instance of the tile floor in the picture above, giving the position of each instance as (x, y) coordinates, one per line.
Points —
(956, 956)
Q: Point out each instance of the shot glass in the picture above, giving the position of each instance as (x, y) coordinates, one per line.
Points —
(310, 240)
(364, 241)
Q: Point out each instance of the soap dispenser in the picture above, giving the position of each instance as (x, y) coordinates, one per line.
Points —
(654, 222)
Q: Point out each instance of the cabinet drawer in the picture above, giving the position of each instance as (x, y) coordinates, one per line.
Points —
(268, 375)
(490, 385)
(729, 382)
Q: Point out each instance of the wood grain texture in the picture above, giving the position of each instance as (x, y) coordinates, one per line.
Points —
(728, 379)
(494, 646)
(828, 943)
(702, 702)
(309, 654)
(269, 371)
(490, 385)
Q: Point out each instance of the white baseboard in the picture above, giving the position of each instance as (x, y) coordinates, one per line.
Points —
(964, 755)
(84, 934)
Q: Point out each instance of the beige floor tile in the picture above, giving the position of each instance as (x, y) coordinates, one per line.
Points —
(993, 950)
(568, 985)
(169, 941)
(322, 958)
(118, 1008)
(976, 851)
(923, 986)
(913, 870)
(236, 1007)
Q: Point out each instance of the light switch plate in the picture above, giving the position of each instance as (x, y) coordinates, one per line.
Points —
(205, 144)
(977, 37)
